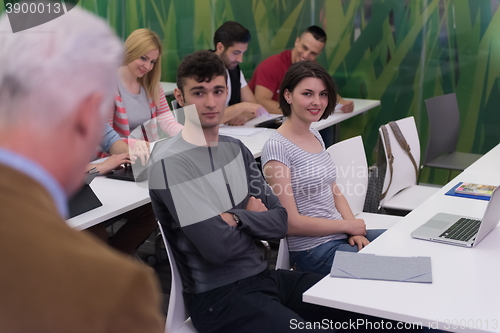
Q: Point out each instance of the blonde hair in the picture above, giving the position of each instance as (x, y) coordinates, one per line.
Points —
(140, 42)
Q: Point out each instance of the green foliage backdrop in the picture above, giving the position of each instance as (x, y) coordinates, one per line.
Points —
(398, 51)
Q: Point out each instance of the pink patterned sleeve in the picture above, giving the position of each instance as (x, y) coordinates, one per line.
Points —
(112, 111)
(165, 117)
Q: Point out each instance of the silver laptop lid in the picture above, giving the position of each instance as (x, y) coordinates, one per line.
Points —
(491, 216)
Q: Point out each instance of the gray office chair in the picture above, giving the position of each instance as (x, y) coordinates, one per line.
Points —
(179, 115)
(444, 127)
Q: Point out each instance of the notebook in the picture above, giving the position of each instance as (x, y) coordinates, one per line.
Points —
(374, 267)
(461, 230)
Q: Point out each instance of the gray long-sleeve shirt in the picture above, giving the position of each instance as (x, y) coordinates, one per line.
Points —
(189, 187)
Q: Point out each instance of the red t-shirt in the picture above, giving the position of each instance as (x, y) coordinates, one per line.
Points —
(271, 72)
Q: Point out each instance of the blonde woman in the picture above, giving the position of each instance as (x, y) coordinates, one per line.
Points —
(140, 98)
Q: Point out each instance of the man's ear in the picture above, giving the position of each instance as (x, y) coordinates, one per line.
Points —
(88, 114)
(179, 96)
(219, 48)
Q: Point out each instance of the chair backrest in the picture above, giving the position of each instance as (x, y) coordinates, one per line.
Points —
(444, 126)
(283, 259)
(177, 311)
(403, 170)
(178, 112)
(352, 171)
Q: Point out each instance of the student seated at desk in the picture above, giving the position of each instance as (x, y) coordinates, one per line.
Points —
(268, 75)
(302, 174)
(141, 222)
(120, 152)
(231, 42)
(139, 98)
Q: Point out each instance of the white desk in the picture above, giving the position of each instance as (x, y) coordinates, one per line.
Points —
(168, 87)
(117, 197)
(360, 106)
(446, 299)
(256, 142)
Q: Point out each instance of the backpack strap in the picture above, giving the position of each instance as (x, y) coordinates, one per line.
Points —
(390, 157)
(402, 142)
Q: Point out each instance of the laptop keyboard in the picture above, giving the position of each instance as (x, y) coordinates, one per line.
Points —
(462, 230)
(122, 174)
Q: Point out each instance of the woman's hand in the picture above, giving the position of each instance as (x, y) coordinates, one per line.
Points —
(360, 241)
(356, 227)
(111, 163)
(141, 151)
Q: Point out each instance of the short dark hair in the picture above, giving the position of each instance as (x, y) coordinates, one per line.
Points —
(301, 70)
(202, 66)
(318, 33)
(231, 32)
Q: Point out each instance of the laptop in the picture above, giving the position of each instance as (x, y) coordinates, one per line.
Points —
(461, 230)
(136, 172)
(85, 199)
(271, 123)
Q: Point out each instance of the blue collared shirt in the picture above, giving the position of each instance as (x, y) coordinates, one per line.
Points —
(35, 171)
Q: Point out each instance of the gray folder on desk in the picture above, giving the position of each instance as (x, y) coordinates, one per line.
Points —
(373, 267)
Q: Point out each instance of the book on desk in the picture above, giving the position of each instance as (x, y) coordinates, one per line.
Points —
(475, 189)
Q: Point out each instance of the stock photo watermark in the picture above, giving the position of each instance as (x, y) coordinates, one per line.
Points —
(24, 15)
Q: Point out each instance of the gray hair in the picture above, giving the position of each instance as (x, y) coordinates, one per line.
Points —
(46, 71)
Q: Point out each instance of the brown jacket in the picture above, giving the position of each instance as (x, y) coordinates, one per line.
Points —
(55, 279)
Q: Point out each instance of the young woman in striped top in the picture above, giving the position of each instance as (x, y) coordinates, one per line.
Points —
(140, 98)
(302, 174)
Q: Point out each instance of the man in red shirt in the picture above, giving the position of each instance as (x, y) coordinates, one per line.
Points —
(268, 75)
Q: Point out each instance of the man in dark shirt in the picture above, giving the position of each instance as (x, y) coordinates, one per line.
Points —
(231, 42)
(213, 203)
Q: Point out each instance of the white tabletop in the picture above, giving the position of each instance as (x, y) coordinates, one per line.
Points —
(447, 301)
(117, 197)
(360, 106)
(168, 87)
(256, 141)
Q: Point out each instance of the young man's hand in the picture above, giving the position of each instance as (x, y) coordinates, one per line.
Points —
(255, 205)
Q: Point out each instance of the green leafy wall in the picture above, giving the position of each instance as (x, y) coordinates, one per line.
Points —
(398, 51)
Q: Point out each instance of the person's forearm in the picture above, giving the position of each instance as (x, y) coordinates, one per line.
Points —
(118, 147)
(270, 224)
(215, 239)
(270, 105)
(231, 112)
(343, 206)
(302, 225)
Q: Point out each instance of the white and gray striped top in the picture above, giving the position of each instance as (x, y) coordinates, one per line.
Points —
(312, 177)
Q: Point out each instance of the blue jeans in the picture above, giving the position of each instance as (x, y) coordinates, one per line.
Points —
(320, 259)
